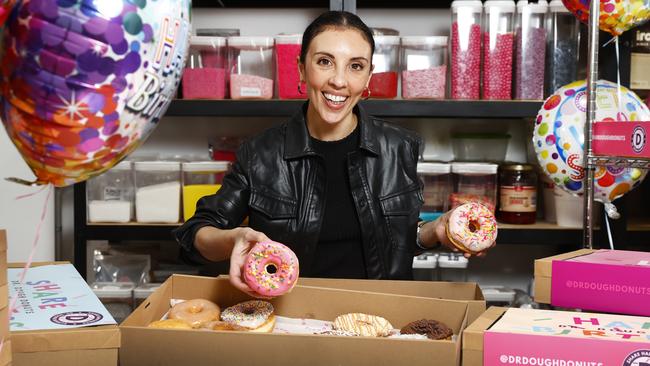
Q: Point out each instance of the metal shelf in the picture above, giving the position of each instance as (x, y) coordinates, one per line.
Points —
(619, 161)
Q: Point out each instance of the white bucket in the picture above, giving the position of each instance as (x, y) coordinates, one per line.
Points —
(569, 209)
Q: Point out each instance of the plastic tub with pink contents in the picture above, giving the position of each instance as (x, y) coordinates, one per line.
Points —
(204, 76)
(287, 51)
(424, 67)
(253, 69)
(465, 49)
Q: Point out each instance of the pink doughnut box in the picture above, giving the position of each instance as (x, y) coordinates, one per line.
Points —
(514, 336)
(626, 138)
(613, 281)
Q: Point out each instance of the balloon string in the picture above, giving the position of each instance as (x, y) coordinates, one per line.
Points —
(609, 231)
(32, 194)
(618, 79)
(30, 259)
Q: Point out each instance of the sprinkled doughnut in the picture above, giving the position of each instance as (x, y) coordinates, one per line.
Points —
(254, 315)
(472, 227)
(195, 312)
(271, 269)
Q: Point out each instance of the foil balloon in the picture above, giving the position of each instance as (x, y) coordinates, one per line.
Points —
(616, 16)
(84, 82)
(558, 138)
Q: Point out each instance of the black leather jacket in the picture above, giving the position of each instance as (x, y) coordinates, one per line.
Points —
(278, 181)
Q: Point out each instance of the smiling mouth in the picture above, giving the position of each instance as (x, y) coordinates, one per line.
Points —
(335, 99)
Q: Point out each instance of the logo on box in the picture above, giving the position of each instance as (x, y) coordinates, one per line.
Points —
(638, 139)
(638, 358)
(77, 318)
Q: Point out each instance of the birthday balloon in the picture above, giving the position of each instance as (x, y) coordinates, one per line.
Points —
(84, 82)
(616, 16)
(558, 137)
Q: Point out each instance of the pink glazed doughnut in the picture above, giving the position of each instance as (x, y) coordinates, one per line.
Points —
(472, 228)
(271, 269)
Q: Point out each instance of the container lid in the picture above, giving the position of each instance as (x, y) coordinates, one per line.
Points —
(113, 289)
(257, 41)
(148, 166)
(474, 5)
(386, 40)
(557, 6)
(384, 31)
(452, 260)
(517, 167)
(538, 8)
(143, 291)
(123, 165)
(208, 41)
(424, 40)
(288, 39)
(481, 136)
(434, 168)
(506, 6)
(206, 166)
(474, 168)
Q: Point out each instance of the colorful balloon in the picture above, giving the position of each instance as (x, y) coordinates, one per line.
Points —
(558, 137)
(84, 82)
(616, 16)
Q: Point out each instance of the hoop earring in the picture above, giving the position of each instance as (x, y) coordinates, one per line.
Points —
(367, 92)
(300, 89)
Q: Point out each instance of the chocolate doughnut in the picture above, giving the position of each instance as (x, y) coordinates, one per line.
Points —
(431, 328)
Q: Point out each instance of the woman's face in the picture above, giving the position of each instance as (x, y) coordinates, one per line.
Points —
(337, 69)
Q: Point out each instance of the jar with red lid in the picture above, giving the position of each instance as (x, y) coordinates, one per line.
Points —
(517, 194)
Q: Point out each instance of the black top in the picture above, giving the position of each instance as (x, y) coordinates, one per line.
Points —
(339, 253)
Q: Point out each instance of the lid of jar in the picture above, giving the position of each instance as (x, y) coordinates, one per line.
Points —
(517, 167)
(208, 41)
(206, 166)
(538, 8)
(143, 291)
(113, 289)
(123, 165)
(474, 5)
(386, 40)
(433, 168)
(256, 42)
(473, 168)
(288, 39)
(424, 40)
(557, 6)
(506, 6)
(167, 166)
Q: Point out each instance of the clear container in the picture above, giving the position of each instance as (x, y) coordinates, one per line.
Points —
(424, 67)
(117, 297)
(158, 191)
(425, 267)
(253, 68)
(452, 267)
(201, 179)
(142, 292)
(498, 49)
(437, 185)
(204, 76)
(530, 47)
(110, 195)
(563, 41)
(473, 182)
(383, 83)
(489, 147)
(287, 52)
(465, 49)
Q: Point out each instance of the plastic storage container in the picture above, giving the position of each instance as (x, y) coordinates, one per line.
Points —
(158, 191)
(424, 67)
(201, 179)
(473, 182)
(480, 146)
(383, 83)
(142, 292)
(287, 51)
(517, 194)
(117, 297)
(465, 49)
(452, 267)
(498, 43)
(563, 40)
(437, 185)
(252, 73)
(530, 49)
(204, 76)
(110, 195)
(425, 267)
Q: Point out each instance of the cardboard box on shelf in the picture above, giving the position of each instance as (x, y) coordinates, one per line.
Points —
(3, 261)
(142, 345)
(516, 336)
(65, 347)
(613, 281)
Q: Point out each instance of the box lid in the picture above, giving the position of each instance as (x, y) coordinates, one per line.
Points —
(473, 334)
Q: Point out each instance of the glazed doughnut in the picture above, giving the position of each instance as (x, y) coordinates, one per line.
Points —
(195, 312)
(363, 325)
(221, 325)
(170, 324)
(472, 227)
(271, 269)
(254, 315)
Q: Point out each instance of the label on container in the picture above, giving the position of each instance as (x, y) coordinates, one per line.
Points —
(518, 198)
(247, 91)
(112, 193)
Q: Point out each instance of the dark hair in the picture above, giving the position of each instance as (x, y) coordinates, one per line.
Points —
(335, 19)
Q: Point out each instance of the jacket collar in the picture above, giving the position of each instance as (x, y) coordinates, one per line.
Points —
(297, 143)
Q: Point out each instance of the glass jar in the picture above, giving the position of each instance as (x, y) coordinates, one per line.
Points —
(517, 194)
(158, 191)
(563, 42)
(110, 195)
(383, 83)
(530, 50)
(437, 184)
(201, 179)
(287, 52)
(465, 49)
(204, 76)
(424, 67)
(474, 182)
(498, 43)
(252, 73)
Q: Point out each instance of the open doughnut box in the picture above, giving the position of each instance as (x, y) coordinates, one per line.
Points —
(506, 337)
(143, 345)
(613, 281)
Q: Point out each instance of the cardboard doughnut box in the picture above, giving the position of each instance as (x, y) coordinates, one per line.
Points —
(5, 352)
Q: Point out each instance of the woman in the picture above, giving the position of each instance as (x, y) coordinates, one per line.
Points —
(337, 186)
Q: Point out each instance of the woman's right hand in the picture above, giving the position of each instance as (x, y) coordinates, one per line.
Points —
(244, 239)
